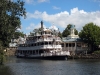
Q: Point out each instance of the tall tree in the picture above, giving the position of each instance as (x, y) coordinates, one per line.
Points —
(17, 34)
(38, 30)
(60, 35)
(91, 35)
(66, 32)
(10, 13)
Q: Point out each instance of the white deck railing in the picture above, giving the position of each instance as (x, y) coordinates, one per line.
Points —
(56, 53)
(43, 39)
(40, 47)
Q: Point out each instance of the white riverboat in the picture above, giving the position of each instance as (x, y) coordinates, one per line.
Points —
(44, 43)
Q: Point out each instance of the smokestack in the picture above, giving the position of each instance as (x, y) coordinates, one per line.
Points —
(41, 24)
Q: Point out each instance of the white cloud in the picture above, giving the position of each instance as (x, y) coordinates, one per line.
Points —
(62, 19)
(96, 0)
(33, 26)
(35, 15)
(36, 1)
(29, 1)
(53, 27)
(41, 1)
(56, 8)
(19, 29)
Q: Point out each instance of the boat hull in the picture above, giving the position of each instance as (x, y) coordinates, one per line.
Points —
(63, 57)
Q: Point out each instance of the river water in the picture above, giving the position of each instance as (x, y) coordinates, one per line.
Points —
(21, 66)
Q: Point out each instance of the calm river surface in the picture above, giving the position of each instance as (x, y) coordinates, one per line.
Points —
(53, 67)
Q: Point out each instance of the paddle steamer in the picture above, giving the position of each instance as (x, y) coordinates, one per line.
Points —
(43, 43)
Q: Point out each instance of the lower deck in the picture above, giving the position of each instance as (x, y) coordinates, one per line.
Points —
(41, 53)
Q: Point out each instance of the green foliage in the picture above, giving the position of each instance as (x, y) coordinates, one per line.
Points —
(76, 32)
(1, 54)
(10, 12)
(38, 30)
(60, 35)
(17, 34)
(66, 32)
(91, 34)
(97, 52)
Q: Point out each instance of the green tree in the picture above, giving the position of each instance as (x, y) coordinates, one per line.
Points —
(38, 30)
(17, 34)
(10, 13)
(60, 35)
(66, 32)
(91, 35)
(1, 54)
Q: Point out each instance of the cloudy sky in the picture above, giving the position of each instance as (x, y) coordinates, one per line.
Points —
(60, 13)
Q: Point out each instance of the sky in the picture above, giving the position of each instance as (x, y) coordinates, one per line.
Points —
(59, 13)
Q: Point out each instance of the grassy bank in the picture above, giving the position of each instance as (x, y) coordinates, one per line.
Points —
(4, 70)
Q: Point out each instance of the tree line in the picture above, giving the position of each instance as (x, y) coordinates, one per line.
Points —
(90, 34)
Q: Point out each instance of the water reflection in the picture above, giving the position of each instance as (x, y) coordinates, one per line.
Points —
(51, 67)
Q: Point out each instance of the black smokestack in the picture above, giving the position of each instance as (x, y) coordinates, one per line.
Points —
(41, 24)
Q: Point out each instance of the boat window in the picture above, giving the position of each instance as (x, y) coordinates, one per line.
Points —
(50, 42)
(31, 44)
(20, 52)
(34, 44)
(52, 33)
(73, 44)
(66, 44)
(33, 52)
(38, 44)
(69, 44)
(30, 52)
(45, 32)
(62, 44)
(46, 43)
(41, 51)
(42, 43)
(36, 51)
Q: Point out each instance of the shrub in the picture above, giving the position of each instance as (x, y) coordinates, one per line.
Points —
(97, 52)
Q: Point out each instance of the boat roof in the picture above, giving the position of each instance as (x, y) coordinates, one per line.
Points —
(71, 40)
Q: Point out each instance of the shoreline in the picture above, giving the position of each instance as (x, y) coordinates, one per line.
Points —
(88, 56)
